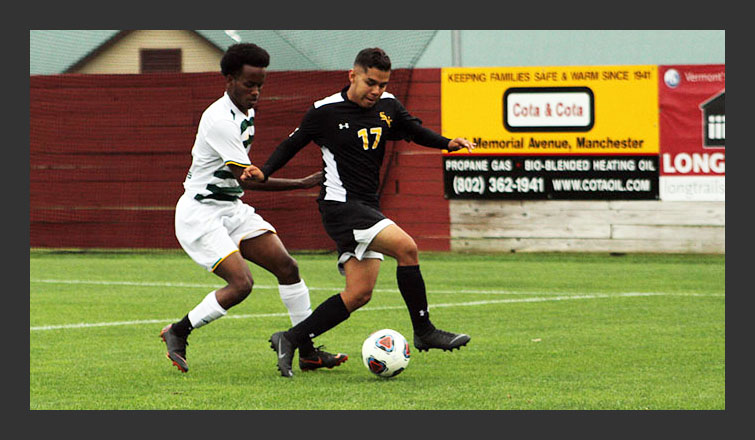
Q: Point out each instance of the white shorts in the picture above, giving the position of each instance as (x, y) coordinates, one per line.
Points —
(363, 238)
(211, 230)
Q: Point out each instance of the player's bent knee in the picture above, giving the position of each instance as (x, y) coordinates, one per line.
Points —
(242, 287)
(408, 253)
(355, 299)
(288, 272)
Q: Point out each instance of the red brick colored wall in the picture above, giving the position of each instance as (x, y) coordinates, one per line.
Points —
(108, 154)
(413, 191)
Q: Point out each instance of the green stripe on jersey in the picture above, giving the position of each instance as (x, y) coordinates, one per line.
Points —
(229, 190)
(223, 174)
(222, 197)
(246, 123)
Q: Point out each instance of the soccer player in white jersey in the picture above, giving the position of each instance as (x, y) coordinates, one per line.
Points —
(217, 230)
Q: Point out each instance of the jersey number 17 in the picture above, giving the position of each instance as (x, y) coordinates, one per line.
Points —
(377, 131)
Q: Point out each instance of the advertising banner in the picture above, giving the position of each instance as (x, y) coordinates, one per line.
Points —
(552, 132)
(692, 132)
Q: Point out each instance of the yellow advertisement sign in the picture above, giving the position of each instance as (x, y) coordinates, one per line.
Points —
(552, 110)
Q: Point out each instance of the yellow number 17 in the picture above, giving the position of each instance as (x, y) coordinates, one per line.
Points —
(377, 131)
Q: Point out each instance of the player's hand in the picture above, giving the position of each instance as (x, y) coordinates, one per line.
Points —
(459, 143)
(252, 174)
(313, 179)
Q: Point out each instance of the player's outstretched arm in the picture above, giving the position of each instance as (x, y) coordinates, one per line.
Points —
(253, 178)
(428, 138)
(281, 184)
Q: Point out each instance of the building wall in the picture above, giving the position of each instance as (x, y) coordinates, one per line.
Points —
(123, 57)
(105, 177)
(106, 168)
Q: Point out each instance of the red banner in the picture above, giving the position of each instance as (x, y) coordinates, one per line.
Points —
(692, 132)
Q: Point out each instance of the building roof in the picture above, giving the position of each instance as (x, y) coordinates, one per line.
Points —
(102, 47)
(55, 51)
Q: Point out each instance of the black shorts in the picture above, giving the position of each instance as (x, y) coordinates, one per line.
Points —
(352, 225)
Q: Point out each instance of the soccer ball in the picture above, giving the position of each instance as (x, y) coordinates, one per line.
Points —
(385, 353)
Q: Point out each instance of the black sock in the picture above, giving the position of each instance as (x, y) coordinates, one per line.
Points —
(183, 327)
(412, 288)
(327, 315)
(307, 348)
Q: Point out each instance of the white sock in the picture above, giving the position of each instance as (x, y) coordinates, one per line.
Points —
(296, 299)
(206, 311)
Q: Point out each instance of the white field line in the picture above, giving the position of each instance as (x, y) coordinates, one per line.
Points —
(559, 297)
(268, 287)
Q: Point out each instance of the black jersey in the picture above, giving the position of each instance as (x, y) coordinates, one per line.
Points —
(352, 140)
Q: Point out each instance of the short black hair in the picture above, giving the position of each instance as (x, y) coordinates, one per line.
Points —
(373, 57)
(243, 53)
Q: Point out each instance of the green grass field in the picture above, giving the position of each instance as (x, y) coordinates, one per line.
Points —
(549, 332)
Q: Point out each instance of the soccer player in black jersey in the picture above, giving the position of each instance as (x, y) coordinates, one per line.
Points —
(351, 128)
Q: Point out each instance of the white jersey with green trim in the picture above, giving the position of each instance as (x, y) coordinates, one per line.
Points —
(224, 136)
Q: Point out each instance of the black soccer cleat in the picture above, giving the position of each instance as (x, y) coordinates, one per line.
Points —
(176, 347)
(440, 339)
(285, 351)
(320, 359)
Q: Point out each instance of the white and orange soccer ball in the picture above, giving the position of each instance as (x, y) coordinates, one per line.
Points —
(385, 353)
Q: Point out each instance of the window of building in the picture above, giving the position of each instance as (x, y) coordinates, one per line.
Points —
(160, 60)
